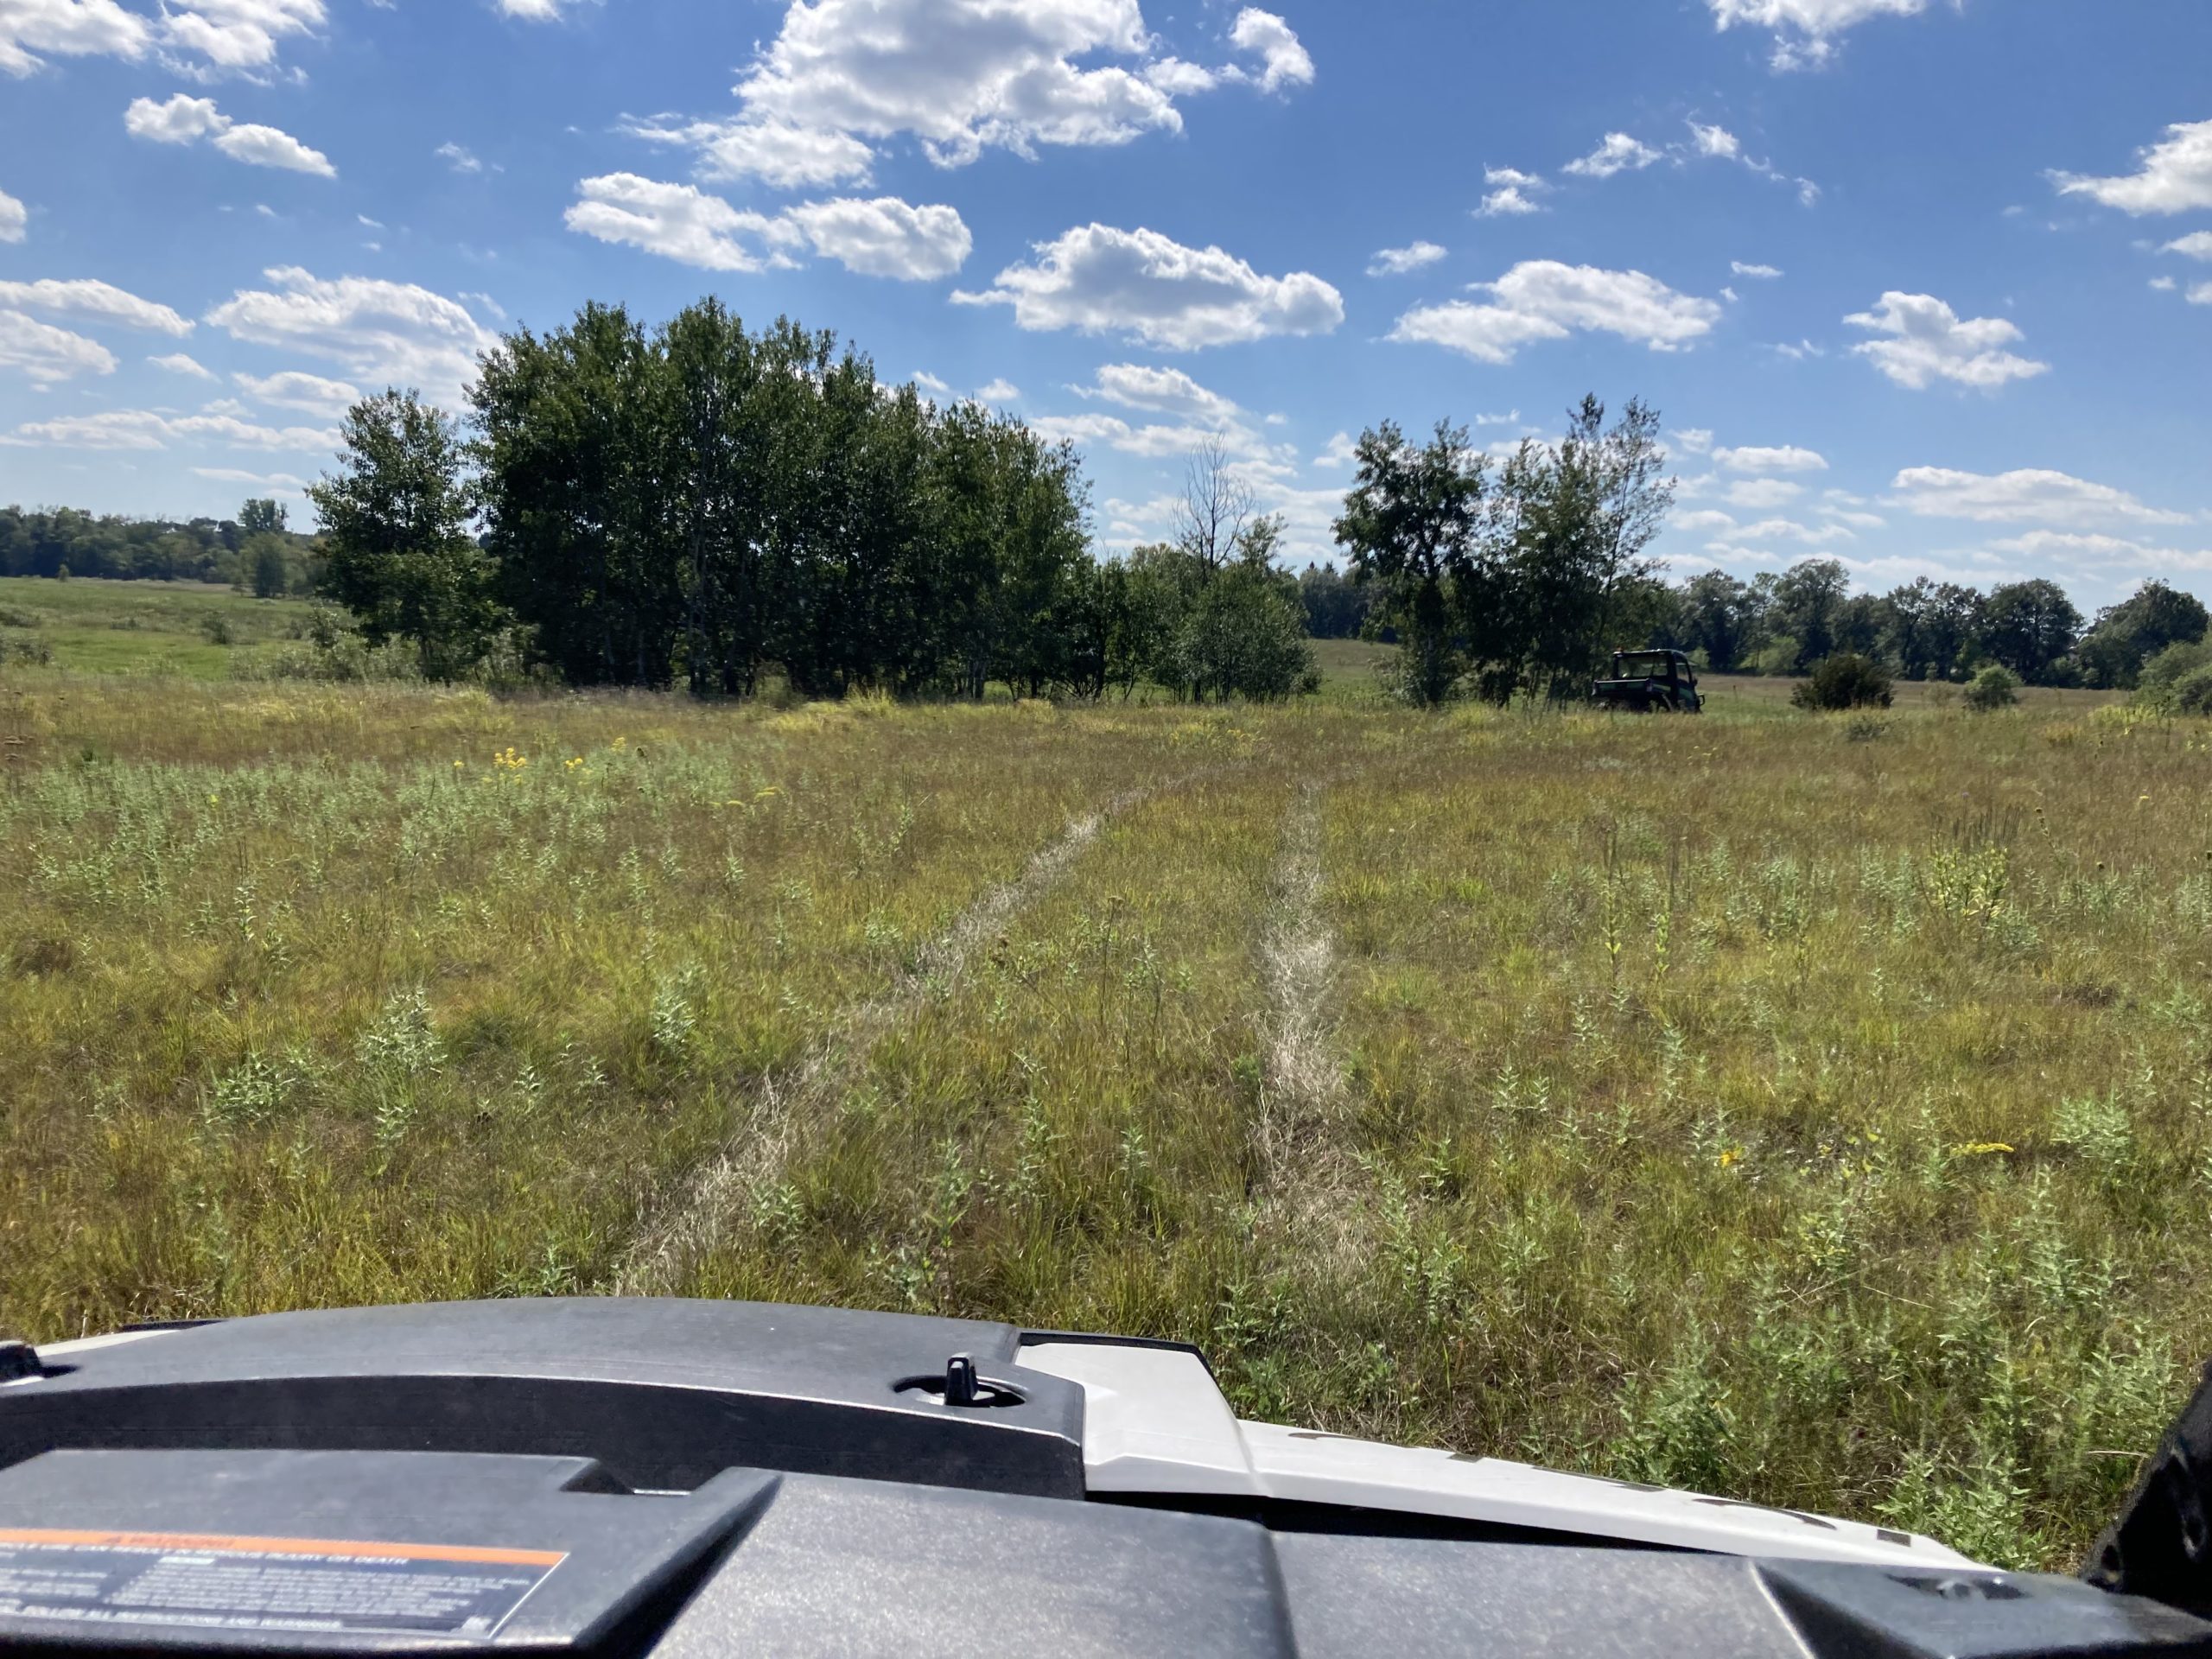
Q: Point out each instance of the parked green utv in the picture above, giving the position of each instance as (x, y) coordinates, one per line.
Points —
(1650, 681)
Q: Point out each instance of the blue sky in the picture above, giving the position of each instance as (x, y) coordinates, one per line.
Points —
(1925, 286)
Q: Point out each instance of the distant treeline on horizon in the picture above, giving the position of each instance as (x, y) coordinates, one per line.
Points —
(1779, 624)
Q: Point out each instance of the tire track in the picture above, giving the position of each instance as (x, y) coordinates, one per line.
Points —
(786, 1106)
(1302, 1091)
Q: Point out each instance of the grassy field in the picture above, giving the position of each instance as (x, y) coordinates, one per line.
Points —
(1818, 1110)
(146, 627)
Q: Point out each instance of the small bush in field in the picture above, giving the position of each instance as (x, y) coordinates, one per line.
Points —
(2192, 692)
(1993, 688)
(23, 648)
(2161, 676)
(1844, 681)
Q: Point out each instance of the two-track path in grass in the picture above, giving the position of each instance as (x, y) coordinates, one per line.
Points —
(786, 1106)
(1302, 1073)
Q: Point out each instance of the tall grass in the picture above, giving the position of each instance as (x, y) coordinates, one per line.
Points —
(1821, 1114)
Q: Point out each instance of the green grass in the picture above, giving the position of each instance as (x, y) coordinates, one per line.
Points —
(1347, 670)
(1814, 1109)
(147, 628)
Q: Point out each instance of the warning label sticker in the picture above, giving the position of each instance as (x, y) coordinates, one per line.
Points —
(221, 1582)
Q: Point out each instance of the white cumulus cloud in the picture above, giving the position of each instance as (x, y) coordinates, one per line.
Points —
(1097, 279)
(67, 28)
(1759, 273)
(86, 300)
(2026, 496)
(263, 483)
(47, 355)
(312, 394)
(959, 76)
(1152, 443)
(777, 153)
(15, 219)
(1189, 415)
(1805, 30)
(183, 363)
(679, 222)
(385, 334)
(1761, 495)
(185, 120)
(240, 36)
(1509, 201)
(1284, 62)
(1618, 153)
(203, 38)
(1160, 392)
(1512, 193)
(2175, 176)
(146, 428)
(1339, 451)
(1786, 459)
(2077, 547)
(1396, 262)
(882, 237)
(1716, 141)
(1923, 341)
(1542, 299)
(886, 237)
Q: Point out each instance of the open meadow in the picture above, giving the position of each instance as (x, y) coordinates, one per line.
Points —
(1816, 1110)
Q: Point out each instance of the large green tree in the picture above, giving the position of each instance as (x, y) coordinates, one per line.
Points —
(1931, 628)
(576, 514)
(396, 518)
(1808, 605)
(1564, 574)
(2129, 634)
(1410, 524)
(2028, 628)
(1718, 615)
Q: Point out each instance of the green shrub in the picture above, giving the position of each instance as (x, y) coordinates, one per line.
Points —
(2192, 693)
(351, 660)
(23, 648)
(217, 628)
(2159, 685)
(12, 617)
(1777, 657)
(1992, 689)
(1844, 681)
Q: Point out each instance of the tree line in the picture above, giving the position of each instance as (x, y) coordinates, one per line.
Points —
(1788, 623)
(254, 552)
(702, 505)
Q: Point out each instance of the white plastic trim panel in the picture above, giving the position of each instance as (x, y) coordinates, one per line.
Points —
(1153, 1420)
(1299, 1465)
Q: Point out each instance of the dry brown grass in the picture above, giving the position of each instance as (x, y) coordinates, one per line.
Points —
(1817, 1110)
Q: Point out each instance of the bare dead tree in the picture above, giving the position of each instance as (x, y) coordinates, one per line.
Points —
(1217, 507)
